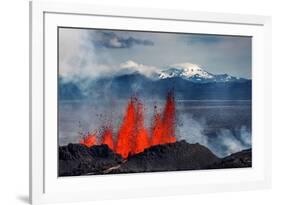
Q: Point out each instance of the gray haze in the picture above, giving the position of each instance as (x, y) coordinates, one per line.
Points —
(92, 53)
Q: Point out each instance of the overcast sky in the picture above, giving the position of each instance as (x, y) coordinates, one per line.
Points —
(91, 53)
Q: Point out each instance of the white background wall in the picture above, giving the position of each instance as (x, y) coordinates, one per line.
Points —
(14, 100)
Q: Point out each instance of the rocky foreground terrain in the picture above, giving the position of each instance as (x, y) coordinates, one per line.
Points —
(77, 159)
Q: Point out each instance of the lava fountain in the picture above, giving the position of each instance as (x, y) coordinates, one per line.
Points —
(132, 137)
(89, 140)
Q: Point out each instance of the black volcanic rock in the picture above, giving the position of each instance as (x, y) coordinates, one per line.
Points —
(77, 159)
(237, 160)
(169, 157)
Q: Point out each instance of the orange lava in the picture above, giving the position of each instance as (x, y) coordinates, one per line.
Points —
(141, 141)
(132, 136)
(126, 131)
(169, 120)
(107, 137)
(163, 128)
(89, 140)
(157, 129)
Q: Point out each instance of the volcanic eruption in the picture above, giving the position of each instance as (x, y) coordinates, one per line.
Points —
(89, 140)
(132, 136)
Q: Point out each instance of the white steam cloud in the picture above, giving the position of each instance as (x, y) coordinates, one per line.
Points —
(223, 144)
(144, 69)
(80, 58)
(77, 57)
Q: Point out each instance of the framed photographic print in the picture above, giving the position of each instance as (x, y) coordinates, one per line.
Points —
(130, 102)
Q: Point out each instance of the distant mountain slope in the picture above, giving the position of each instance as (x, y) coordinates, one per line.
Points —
(125, 86)
(69, 90)
(195, 73)
(189, 82)
(186, 71)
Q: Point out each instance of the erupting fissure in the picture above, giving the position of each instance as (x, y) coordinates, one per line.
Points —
(107, 137)
(89, 140)
(132, 136)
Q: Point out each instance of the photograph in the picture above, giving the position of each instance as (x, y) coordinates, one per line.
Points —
(134, 101)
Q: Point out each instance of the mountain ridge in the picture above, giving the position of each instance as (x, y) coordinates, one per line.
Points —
(188, 81)
(125, 86)
(187, 71)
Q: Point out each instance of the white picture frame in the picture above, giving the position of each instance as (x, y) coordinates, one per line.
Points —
(46, 187)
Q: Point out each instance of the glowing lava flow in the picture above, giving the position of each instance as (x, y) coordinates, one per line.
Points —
(141, 141)
(168, 121)
(89, 141)
(132, 136)
(157, 130)
(126, 131)
(163, 129)
(107, 137)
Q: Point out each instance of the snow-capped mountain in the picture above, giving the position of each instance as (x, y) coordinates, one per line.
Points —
(195, 73)
(188, 81)
(187, 71)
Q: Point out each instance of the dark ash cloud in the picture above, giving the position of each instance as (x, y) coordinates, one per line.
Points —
(112, 40)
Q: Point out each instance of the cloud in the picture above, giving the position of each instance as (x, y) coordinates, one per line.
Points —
(77, 58)
(143, 69)
(92, 53)
(112, 40)
(225, 141)
(191, 130)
